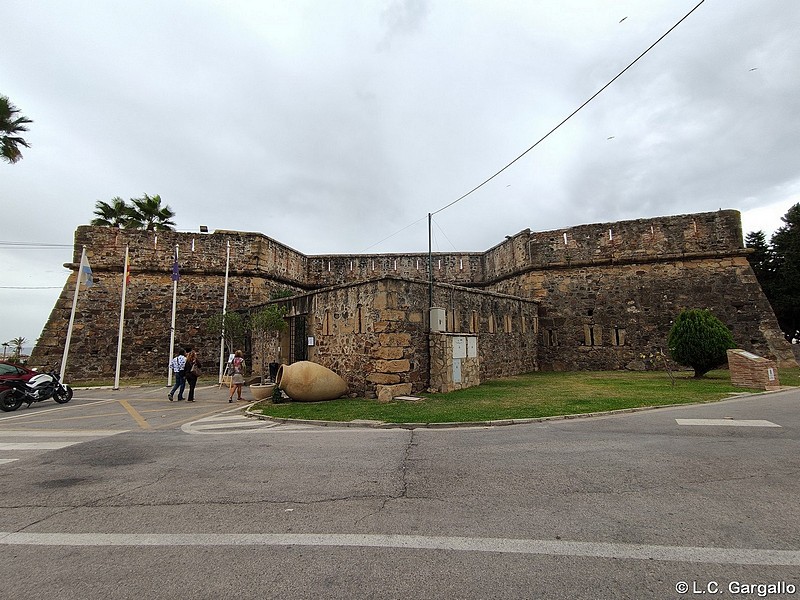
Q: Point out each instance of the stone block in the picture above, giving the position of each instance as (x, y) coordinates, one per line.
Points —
(386, 353)
(392, 366)
(394, 339)
(383, 378)
(392, 315)
(388, 392)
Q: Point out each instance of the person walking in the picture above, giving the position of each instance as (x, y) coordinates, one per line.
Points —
(178, 366)
(237, 381)
(192, 370)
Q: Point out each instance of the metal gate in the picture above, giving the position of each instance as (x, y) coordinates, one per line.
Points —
(298, 343)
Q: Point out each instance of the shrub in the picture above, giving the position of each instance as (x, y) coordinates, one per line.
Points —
(699, 340)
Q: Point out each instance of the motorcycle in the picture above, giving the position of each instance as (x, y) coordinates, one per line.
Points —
(38, 388)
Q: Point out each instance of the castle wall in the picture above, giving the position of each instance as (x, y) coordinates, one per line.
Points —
(375, 333)
(607, 300)
(607, 292)
(148, 306)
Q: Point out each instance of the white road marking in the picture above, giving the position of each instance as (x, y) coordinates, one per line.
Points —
(683, 554)
(60, 433)
(35, 445)
(728, 422)
(4, 461)
(250, 423)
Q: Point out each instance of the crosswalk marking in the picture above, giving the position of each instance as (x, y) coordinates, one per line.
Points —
(232, 422)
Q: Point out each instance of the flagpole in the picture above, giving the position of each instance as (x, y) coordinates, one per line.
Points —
(224, 311)
(121, 318)
(172, 325)
(72, 316)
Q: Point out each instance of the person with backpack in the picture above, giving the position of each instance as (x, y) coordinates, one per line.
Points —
(237, 370)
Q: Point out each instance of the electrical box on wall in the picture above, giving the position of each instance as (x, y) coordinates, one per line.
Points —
(438, 319)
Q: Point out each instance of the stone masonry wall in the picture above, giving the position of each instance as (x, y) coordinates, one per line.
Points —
(375, 333)
(200, 290)
(619, 316)
(607, 291)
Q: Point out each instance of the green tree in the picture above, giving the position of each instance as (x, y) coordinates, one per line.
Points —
(17, 342)
(785, 292)
(148, 213)
(761, 259)
(12, 124)
(234, 327)
(116, 213)
(699, 340)
(265, 325)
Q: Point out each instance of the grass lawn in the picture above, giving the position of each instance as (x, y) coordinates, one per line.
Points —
(529, 396)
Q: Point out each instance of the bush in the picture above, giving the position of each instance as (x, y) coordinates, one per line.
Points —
(699, 340)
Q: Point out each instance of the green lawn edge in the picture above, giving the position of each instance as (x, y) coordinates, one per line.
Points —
(529, 396)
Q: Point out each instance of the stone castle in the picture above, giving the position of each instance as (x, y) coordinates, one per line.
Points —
(591, 297)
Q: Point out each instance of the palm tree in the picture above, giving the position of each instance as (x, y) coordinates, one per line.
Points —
(147, 213)
(18, 342)
(5, 348)
(11, 126)
(117, 213)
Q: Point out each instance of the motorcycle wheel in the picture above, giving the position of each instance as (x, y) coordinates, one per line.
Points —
(9, 401)
(63, 394)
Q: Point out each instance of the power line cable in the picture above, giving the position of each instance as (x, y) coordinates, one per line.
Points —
(573, 113)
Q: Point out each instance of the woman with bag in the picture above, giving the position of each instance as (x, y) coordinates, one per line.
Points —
(237, 381)
(192, 373)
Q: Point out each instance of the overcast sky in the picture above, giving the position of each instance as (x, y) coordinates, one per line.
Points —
(331, 125)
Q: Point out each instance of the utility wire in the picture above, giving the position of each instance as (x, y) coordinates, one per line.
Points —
(573, 113)
(394, 234)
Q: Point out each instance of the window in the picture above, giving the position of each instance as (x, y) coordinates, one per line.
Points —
(474, 323)
(593, 335)
(507, 323)
(326, 323)
(550, 338)
(492, 328)
(618, 336)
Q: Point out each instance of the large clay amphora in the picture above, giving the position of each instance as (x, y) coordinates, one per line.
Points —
(306, 381)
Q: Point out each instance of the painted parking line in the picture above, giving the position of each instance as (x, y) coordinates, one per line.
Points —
(727, 422)
(648, 552)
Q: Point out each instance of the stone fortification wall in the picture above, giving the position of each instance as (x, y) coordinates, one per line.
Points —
(643, 240)
(619, 316)
(375, 333)
(458, 268)
(148, 305)
(608, 294)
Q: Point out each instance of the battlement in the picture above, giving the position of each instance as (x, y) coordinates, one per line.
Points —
(698, 235)
(254, 254)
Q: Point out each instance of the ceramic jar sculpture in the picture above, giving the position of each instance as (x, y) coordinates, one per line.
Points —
(306, 381)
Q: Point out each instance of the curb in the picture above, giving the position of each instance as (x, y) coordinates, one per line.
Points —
(368, 424)
(466, 424)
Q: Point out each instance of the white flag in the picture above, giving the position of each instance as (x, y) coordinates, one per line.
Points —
(85, 272)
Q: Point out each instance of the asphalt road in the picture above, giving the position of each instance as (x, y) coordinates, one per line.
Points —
(122, 494)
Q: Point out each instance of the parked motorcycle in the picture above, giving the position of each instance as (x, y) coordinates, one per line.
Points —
(39, 387)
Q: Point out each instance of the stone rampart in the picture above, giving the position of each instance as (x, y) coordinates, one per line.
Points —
(607, 292)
